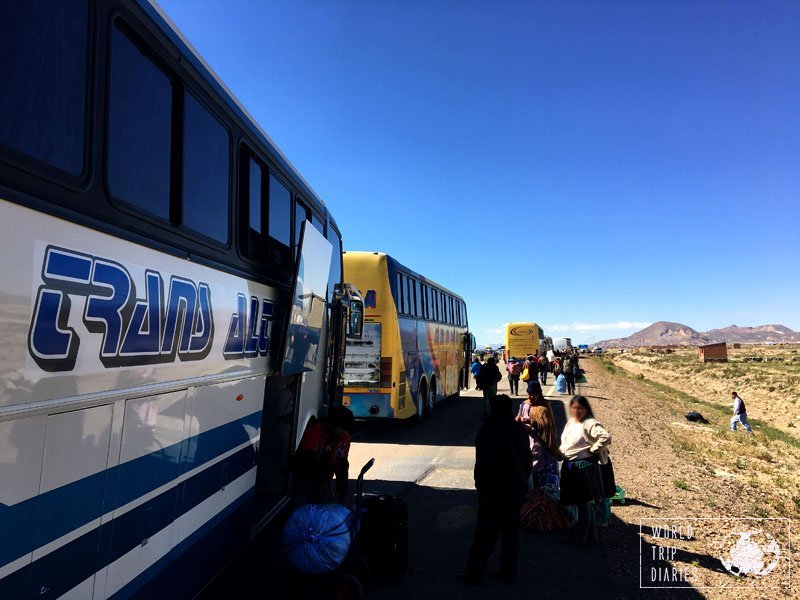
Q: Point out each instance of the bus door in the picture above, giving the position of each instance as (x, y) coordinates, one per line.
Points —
(293, 396)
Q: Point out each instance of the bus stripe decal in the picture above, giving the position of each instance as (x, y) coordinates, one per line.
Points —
(145, 473)
(69, 565)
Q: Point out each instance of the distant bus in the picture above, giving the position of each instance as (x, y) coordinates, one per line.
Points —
(562, 344)
(156, 247)
(416, 346)
(523, 339)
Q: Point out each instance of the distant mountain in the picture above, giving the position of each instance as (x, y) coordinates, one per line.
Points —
(665, 333)
(662, 333)
(760, 334)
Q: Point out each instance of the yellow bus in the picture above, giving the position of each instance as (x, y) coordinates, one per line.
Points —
(415, 348)
(523, 339)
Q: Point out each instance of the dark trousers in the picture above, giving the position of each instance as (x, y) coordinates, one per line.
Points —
(570, 382)
(497, 516)
(513, 384)
(543, 376)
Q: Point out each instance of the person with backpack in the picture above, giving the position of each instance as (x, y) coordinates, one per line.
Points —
(556, 367)
(739, 414)
(514, 369)
(502, 467)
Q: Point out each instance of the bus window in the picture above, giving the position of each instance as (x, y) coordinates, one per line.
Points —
(423, 294)
(401, 306)
(301, 213)
(280, 211)
(336, 262)
(429, 303)
(254, 197)
(139, 129)
(318, 223)
(205, 172)
(43, 94)
(439, 306)
(420, 301)
(407, 297)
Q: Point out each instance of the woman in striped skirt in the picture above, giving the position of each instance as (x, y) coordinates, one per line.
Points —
(584, 444)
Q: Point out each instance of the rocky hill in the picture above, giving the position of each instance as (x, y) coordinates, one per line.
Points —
(760, 334)
(665, 333)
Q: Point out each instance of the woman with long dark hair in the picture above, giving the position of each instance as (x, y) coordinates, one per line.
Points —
(584, 444)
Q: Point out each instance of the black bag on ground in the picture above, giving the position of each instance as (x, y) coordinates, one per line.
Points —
(383, 539)
(696, 417)
(609, 480)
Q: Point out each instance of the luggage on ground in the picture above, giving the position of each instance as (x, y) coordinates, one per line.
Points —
(384, 534)
(317, 537)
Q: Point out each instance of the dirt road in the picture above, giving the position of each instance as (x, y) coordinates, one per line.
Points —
(430, 465)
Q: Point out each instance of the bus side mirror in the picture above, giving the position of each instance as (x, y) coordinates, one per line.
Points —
(355, 321)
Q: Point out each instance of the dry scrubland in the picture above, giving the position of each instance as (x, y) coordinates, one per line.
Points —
(673, 468)
(767, 377)
(767, 463)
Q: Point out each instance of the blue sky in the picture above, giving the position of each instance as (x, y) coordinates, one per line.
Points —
(593, 166)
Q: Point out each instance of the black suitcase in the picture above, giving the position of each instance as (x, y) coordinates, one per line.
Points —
(383, 538)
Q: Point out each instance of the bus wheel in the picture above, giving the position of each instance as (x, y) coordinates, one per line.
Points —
(422, 399)
(430, 402)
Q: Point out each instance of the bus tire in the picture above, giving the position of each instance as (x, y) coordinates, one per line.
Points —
(422, 395)
(430, 399)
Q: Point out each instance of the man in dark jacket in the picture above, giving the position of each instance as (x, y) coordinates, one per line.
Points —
(488, 379)
(502, 466)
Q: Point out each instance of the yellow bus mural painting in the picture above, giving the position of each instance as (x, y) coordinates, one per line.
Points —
(523, 339)
(416, 345)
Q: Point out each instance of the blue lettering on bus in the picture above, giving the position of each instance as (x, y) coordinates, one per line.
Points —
(370, 299)
(249, 329)
(169, 322)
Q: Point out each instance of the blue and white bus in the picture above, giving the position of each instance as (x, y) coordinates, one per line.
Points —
(155, 247)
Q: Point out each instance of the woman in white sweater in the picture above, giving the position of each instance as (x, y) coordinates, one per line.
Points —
(584, 444)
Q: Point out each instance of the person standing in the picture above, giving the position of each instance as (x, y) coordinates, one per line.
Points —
(544, 367)
(524, 412)
(321, 457)
(739, 414)
(488, 379)
(502, 467)
(556, 367)
(569, 374)
(584, 444)
(514, 369)
(475, 369)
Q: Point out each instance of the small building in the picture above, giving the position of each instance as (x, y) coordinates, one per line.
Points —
(736, 345)
(714, 352)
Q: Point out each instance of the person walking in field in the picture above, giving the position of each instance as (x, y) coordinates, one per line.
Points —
(488, 379)
(502, 467)
(739, 414)
(584, 444)
(514, 369)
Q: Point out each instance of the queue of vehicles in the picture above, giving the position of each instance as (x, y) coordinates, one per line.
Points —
(174, 314)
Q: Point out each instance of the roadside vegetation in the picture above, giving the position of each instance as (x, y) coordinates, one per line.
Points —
(767, 377)
(766, 463)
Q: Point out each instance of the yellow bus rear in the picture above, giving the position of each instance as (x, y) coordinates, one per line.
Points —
(415, 348)
(522, 339)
